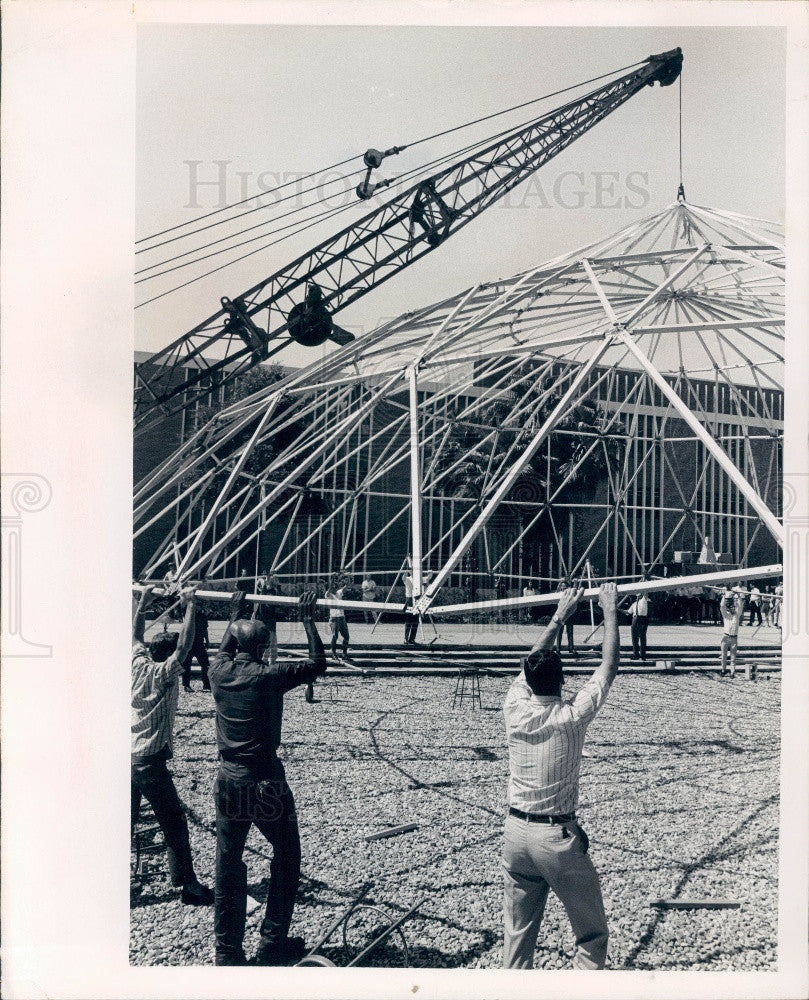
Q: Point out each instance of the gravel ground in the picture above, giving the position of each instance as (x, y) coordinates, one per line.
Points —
(679, 796)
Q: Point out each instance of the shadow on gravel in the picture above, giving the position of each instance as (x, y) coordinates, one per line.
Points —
(145, 895)
(713, 854)
(190, 714)
(391, 956)
(434, 958)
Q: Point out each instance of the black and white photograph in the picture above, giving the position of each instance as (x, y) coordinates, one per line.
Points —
(456, 507)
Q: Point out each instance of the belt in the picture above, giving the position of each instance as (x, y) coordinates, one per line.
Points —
(537, 818)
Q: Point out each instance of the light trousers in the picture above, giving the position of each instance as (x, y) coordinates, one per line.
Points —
(538, 857)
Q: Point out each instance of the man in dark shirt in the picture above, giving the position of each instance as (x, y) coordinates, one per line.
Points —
(251, 785)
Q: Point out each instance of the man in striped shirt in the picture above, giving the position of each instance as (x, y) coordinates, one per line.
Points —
(156, 670)
(544, 846)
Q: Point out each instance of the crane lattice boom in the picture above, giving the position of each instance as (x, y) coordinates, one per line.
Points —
(297, 302)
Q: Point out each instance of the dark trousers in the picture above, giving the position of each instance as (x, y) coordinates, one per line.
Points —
(411, 628)
(338, 628)
(151, 780)
(755, 611)
(569, 632)
(639, 625)
(271, 806)
(411, 623)
(200, 651)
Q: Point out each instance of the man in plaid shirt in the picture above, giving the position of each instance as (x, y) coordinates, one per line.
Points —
(156, 669)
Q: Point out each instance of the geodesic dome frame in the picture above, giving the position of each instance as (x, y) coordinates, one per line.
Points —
(687, 295)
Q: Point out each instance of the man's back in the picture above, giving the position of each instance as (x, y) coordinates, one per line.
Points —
(545, 737)
(154, 701)
(249, 714)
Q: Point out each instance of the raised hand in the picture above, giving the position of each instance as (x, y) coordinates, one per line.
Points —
(306, 605)
(608, 596)
(147, 597)
(568, 602)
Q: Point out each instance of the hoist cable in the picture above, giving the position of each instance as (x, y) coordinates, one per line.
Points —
(241, 215)
(243, 201)
(334, 166)
(681, 129)
(524, 104)
(328, 213)
(318, 216)
(241, 232)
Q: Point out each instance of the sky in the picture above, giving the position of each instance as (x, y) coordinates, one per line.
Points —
(252, 105)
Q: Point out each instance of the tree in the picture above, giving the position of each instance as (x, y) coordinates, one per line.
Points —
(265, 450)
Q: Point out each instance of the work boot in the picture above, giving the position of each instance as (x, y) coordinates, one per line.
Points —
(197, 894)
(286, 952)
(239, 959)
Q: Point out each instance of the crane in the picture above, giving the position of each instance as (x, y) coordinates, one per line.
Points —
(298, 302)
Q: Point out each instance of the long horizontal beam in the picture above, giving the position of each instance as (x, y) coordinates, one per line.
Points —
(538, 600)
(642, 587)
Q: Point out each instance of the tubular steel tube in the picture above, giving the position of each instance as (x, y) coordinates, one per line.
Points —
(341, 919)
(387, 933)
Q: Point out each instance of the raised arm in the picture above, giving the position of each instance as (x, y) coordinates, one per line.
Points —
(305, 671)
(608, 599)
(306, 608)
(228, 643)
(188, 600)
(147, 597)
(568, 602)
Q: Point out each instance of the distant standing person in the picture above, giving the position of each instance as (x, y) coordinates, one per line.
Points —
(777, 601)
(529, 590)
(337, 618)
(368, 588)
(268, 613)
(411, 620)
(571, 645)
(544, 846)
(732, 608)
(639, 610)
(755, 605)
(766, 606)
(199, 649)
(501, 593)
